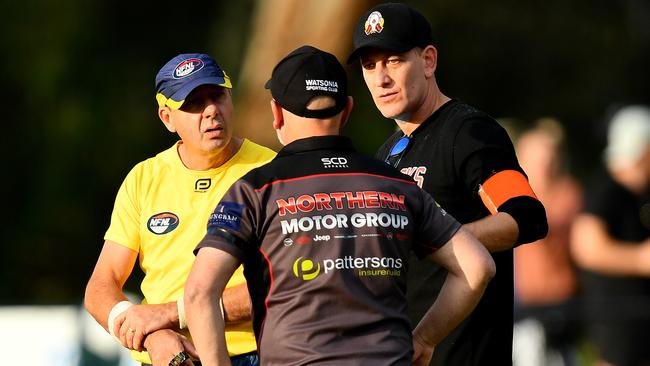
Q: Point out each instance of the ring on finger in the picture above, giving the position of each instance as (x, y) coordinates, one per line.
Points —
(179, 358)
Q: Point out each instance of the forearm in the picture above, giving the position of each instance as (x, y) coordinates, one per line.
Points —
(205, 285)
(470, 268)
(497, 232)
(104, 289)
(100, 297)
(454, 303)
(622, 259)
(615, 258)
(207, 327)
(594, 249)
(236, 304)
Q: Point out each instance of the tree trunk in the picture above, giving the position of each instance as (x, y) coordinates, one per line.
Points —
(279, 27)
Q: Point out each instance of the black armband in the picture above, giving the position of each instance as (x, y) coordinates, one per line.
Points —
(530, 215)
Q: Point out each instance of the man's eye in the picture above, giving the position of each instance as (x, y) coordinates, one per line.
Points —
(191, 105)
(368, 66)
(393, 61)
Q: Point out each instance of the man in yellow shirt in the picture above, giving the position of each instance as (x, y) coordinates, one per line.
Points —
(160, 214)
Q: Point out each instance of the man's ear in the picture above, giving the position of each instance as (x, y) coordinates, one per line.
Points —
(278, 118)
(430, 57)
(165, 115)
(345, 115)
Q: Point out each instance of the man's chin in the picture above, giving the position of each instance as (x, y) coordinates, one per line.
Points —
(398, 116)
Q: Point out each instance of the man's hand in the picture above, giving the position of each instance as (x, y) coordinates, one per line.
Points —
(164, 344)
(133, 325)
(422, 352)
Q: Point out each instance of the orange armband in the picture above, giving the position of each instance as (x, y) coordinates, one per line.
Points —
(503, 186)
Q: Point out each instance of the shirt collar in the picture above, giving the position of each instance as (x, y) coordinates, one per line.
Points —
(332, 142)
(433, 116)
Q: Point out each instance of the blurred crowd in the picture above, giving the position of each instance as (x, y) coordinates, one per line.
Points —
(583, 292)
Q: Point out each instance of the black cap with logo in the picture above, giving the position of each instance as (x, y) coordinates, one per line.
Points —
(305, 73)
(393, 27)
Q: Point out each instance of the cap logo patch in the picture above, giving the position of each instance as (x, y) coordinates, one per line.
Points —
(374, 23)
(187, 68)
(323, 85)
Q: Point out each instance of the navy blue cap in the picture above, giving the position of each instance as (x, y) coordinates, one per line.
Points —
(184, 73)
(392, 27)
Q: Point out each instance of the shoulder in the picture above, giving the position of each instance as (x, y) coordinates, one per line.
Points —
(148, 167)
(476, 127)
(367, 165)
(466, 116)
(256, 152)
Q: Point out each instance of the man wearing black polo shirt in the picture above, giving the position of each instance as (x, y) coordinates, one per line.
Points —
(464, 159)
(323, 233)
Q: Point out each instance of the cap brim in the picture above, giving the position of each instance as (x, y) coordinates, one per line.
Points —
(380, 44)
(176, 100)
(267, 85)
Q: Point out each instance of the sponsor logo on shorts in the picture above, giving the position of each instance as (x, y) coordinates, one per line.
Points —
(162, 223)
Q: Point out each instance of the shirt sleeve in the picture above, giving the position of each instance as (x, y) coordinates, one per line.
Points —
(482, 148)
(232, 226)
(125, 219)
(434, 228)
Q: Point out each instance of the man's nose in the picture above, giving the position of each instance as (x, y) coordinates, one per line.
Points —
(211, 109)
(382, 78)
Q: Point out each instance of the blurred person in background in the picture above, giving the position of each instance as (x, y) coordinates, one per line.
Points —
(611, 242)
(545, 277)
(159, 216)
(464, 159)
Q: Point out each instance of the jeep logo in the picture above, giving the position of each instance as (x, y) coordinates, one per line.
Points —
(321, 238)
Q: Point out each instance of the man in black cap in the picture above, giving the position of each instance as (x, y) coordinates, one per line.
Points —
(323, 233)
(159, 215)
(464, 159)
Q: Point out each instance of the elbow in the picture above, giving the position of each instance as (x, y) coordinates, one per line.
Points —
(198, 293)
(487, 272)
(481, 270)
(89, 299)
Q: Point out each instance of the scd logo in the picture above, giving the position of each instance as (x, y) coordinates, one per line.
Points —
(305, 269)
(162, 223)
(336, 162)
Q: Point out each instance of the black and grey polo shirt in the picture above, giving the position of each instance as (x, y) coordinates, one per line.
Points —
(324, 234)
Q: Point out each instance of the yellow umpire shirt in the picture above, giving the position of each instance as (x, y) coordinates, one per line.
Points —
(161, 211)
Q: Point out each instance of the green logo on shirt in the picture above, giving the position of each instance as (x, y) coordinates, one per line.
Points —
(305, 269)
